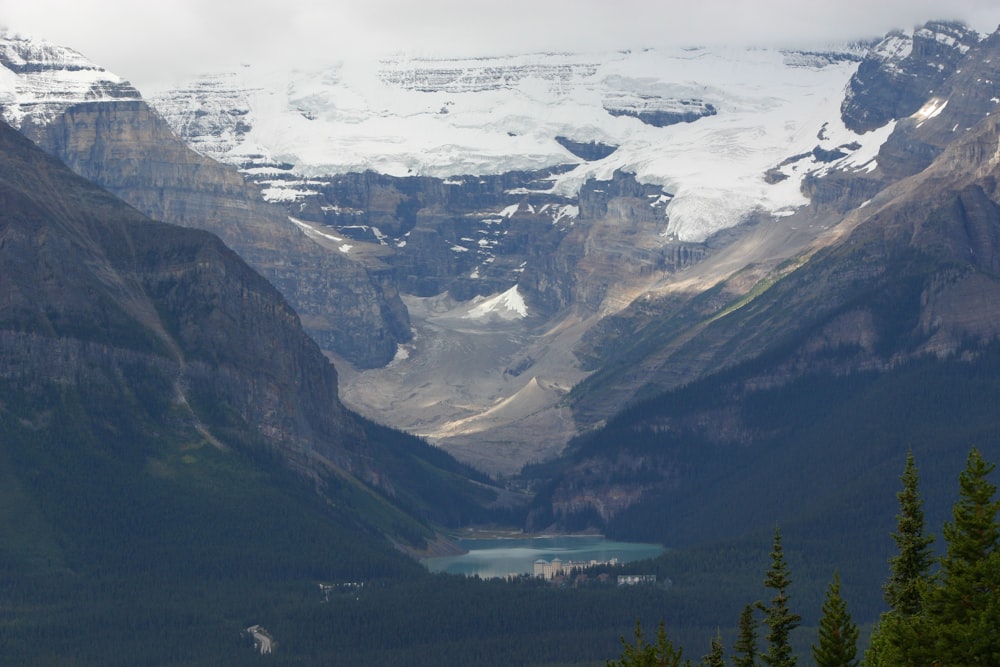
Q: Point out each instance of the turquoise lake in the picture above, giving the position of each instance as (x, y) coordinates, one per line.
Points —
(503, 556)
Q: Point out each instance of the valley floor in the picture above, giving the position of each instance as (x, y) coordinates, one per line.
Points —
(486, 391)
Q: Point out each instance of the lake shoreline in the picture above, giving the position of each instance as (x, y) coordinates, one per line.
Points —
(503, 554)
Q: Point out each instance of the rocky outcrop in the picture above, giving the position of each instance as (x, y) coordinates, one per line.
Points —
(658, 111)
(465, 236)
(587, 150)
(128, 149)
(617, 241)
(902, 72)
(480, 74)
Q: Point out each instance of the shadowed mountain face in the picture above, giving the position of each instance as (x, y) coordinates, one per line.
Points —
(85, 274)
(166, 330)
(128, 149)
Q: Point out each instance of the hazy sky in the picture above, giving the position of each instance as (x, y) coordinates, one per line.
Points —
(163, 41)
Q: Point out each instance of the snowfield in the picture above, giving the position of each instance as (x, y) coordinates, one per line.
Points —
(39, 80)
(508, 305)
(444, 118)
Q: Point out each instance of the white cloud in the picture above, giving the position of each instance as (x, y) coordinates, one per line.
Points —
(161, 42)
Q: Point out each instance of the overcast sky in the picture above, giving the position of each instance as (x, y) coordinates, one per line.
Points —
(155, 42)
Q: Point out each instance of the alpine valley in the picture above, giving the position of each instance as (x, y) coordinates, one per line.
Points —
(269, 335)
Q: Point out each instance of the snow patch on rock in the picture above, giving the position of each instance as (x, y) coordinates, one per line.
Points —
(507, 305)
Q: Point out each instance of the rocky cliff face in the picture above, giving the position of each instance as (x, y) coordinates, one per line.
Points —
(96, 295)
(464, 236)
(126, 147)
(475, 236)
(618, 243)
(98, 124)
(903, 71)
(658, 111)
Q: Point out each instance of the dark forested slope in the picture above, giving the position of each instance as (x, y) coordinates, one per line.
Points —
(173, 455)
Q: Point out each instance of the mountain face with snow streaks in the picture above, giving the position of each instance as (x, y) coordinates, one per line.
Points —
(629, 200)
(447, 118)
(42, 80)
(101, 128)
(903, 71)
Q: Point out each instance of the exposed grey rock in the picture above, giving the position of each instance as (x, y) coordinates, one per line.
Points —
(658, 111)
(128, 149)
(587, 150)
(902, 72)
(465, 236)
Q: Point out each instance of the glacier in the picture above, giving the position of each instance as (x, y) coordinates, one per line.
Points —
(480, 116)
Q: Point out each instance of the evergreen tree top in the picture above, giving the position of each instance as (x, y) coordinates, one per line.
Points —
(974, 533)
(838, 635)
(913, 561)
(779, 618)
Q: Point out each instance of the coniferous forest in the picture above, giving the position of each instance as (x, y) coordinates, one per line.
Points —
(941, 611)
(108, 589)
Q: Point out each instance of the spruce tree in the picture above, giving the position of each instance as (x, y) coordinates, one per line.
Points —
(895, 638)
(745, 648)
(643, 654)
(838, 635)
(716, 656)
(777, 615)
(911, 565)
(960, 626)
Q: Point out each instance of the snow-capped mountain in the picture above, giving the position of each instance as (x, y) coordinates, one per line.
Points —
(98, 125)
(704, 124)
(535, 221)
(38, 80)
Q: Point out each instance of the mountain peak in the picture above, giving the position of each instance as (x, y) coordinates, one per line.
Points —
(41, 80)
(903, 71)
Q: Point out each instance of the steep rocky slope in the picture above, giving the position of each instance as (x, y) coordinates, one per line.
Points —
(898, 302)
(97, 124)
(934, 171)
(167, 322)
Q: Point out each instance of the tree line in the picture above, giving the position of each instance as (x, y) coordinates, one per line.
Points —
(941, 610)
